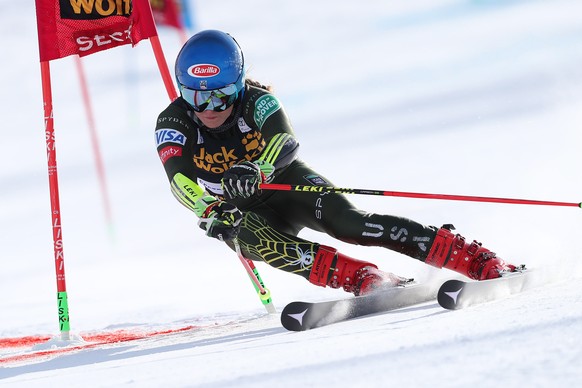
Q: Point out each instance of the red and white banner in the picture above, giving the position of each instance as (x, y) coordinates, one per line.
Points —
(83, 27)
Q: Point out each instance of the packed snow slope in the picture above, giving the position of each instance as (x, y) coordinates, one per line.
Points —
(466, 97)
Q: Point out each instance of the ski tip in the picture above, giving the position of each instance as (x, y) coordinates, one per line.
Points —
(449, 294)
(293, 316)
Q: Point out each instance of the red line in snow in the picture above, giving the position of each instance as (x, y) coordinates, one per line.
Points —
(22, 342)
(93, 340)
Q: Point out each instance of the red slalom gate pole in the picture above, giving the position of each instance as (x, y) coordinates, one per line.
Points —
(163, 67)
(63, 304)
(100, 166)
(448, 197)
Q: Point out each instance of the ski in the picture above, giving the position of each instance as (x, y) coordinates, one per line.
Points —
(458, 294)
(301, 316)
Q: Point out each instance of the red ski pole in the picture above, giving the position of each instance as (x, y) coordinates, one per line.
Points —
(449, 197)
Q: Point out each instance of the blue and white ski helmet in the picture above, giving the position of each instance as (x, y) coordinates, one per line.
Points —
(210, 60)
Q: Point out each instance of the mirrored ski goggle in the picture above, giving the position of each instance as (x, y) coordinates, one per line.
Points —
(216, 100)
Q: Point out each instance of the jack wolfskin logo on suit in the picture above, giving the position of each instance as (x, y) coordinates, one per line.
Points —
(217, 162)
(94, 9)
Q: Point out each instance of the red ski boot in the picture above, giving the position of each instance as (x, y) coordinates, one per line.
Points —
(472, 260)
(333, 269)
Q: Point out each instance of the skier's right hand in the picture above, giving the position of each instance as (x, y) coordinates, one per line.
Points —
(242, 180)
(221, 220)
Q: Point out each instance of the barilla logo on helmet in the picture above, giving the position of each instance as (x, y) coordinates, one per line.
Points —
(203, 70)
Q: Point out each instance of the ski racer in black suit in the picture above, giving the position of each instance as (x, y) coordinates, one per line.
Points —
(227, 134)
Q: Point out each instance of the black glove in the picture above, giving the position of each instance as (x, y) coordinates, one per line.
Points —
(242, 180)
(221, 220)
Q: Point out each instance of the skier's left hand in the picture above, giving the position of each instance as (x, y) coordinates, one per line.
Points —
(221, 220)
(242, 180)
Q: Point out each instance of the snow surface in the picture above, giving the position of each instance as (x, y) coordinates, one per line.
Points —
(459, 97)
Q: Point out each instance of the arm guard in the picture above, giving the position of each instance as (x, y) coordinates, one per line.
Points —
(191, 195)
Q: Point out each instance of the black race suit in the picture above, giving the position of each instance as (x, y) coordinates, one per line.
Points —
(195, 159)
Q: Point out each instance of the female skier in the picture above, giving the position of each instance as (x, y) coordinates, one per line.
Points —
(227, 134)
